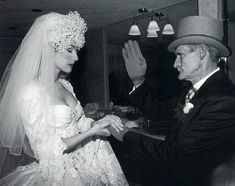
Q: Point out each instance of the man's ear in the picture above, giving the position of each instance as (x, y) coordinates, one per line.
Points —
(202, 51)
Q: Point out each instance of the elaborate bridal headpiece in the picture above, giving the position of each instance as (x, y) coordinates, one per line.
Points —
(68, 31)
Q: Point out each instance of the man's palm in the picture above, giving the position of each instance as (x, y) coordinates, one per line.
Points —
(134, 61)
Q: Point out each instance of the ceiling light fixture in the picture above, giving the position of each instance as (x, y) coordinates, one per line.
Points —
(36, 10)
(143, 10)
(168, 28)
(134, 30)
(152, 34)
(153, 26)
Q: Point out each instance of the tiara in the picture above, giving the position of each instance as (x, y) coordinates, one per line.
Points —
(68, 32)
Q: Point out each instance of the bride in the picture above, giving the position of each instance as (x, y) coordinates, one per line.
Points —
(41, 116)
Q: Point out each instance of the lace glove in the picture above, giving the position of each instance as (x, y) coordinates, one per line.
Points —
(134, 61)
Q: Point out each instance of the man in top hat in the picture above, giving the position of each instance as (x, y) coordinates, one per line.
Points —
(203, 136)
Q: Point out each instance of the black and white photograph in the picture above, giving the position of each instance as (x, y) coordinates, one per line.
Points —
(117, 93)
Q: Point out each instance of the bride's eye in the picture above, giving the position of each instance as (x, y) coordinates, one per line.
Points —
(69, 50)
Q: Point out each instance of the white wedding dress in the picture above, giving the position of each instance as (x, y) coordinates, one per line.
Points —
(92, 163)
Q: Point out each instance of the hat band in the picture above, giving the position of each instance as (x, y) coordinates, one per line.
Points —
(200, 35)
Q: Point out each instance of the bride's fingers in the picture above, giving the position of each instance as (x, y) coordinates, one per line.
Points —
(115, 127)
(112, 120)
(103, 120)
(117, 121)
(105, 132)
(105, 124)
(131, 124)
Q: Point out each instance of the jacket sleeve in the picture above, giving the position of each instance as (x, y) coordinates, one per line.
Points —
(152, 105)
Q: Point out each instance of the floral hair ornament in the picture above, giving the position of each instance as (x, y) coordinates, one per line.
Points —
(188, 107)
(68, 32)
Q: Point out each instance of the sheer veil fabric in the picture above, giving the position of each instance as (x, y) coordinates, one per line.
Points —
(32, 62)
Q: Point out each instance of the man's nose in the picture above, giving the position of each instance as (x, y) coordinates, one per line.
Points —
(75, 56)
(177, 62)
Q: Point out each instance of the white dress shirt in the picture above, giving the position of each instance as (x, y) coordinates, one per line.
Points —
(197, 85)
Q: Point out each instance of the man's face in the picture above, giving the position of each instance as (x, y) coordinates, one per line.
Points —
(187, 62)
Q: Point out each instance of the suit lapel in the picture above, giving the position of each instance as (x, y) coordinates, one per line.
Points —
(203, 93)
(210, 83)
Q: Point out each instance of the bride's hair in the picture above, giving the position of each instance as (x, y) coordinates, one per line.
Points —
(34, 61)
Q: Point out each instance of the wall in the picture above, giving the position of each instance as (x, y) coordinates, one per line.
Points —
(231, 39)
(214, 8)
(160, 73)
(7, 48)
(89, 75)
(231, 44)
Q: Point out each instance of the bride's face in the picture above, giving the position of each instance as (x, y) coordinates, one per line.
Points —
(65, 59)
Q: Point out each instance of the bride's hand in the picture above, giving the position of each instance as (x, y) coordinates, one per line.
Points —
(131, 124)
(100, 129)
(115, 122)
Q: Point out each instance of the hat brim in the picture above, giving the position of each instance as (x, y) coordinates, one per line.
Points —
(224, 51)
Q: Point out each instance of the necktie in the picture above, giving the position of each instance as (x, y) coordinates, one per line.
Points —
(190, 94)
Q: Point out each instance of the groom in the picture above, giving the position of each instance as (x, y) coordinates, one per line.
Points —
(203, 134)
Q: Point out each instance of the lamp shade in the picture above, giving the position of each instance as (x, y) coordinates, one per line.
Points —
(134, 30)
(152, 34)
(168, 29)
(153, 26)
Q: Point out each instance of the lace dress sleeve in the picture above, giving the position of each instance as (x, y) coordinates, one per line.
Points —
(38, 122)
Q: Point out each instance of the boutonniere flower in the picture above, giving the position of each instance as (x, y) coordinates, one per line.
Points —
(188, 107)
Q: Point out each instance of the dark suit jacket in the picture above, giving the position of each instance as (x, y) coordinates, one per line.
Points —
(155, 102)
(200, 140)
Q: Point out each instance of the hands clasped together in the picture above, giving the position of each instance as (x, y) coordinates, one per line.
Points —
(101, 127)
(112, 124)
(136, 68)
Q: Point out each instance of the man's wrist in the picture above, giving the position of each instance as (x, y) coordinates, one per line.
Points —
(138, 82)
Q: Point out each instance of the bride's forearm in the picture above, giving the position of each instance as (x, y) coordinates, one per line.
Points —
(73, 141)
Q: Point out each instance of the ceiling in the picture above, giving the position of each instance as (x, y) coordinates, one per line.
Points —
(174, 12)
(16, 16)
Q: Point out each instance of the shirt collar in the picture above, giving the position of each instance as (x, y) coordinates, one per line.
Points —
(197, 85)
